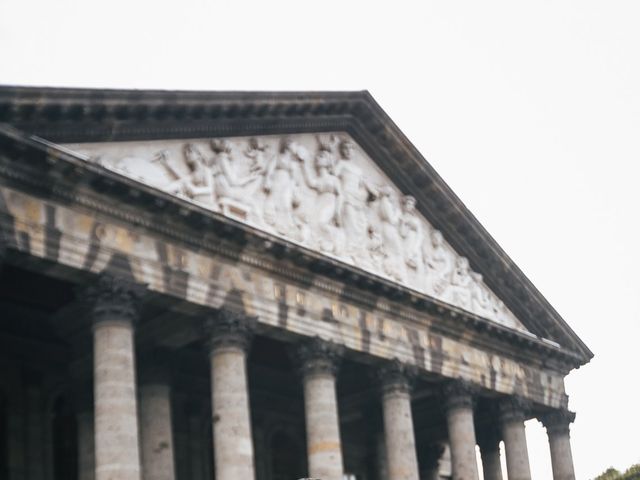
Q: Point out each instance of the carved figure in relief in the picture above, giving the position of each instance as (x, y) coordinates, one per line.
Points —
(196, 182)
(460, 289)
(325, 220)
(260, 153)
(439, 263)
(233, 193)
(281, 189)
(355, 192)
(412, 235)
(480, 297)
(389, 213)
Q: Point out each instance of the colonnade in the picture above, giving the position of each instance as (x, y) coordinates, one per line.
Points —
(123, 452)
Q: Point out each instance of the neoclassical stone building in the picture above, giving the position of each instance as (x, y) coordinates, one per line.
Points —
(261, 286)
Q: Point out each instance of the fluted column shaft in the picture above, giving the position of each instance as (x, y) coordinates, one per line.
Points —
(117, 455)
(512, 417)
(557, 425)
(318, 361)
(232, 441)
(400, 441)
(462, 436)
(158, 462)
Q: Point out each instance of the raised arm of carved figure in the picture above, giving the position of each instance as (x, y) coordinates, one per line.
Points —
(162, 157)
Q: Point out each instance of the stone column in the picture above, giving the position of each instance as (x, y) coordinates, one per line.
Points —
(458, 397)
(489, 442)
(557, 425)
(512, 417)
(117, 455)
(400, 440)
(318, 363)
(157, 446)
(229, 334)
(430, 462)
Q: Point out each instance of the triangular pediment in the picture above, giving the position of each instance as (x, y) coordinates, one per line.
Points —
(322, 191)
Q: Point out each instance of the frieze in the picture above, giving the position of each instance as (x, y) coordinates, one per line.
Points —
(320, 191)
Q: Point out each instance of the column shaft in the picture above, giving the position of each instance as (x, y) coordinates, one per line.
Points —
(515, 439)
(117, 454)
(86, 459)
(232, 440)
(156, 430)
(402, 459)
(557, 425)
(233, 446)
(561, 457)
(324, 448)
(463, 443)
(116, 418)
(323, 430)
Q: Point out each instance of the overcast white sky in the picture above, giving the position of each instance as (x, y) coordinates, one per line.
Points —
(529, 110)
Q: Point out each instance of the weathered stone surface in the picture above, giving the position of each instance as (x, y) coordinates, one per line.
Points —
(156, 431)
(462, 438)
(117, 455)
(557, 425)
(398, 422)
(232, 439)
(512, 417)
(318, 363)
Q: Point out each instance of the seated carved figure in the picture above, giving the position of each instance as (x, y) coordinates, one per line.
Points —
(460, 290)
(233, 192)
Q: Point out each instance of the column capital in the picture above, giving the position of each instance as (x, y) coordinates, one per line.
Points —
(514, 408)
(557, 421)
(459, 394)
(113, 297)
(228, 328)
(318, 356)
(396, 377)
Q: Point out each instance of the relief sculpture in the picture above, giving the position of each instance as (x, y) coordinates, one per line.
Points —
(320, 191)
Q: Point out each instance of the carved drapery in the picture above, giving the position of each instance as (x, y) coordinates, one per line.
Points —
(322, 192)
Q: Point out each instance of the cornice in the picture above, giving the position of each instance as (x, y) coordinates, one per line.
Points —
(107, 115)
